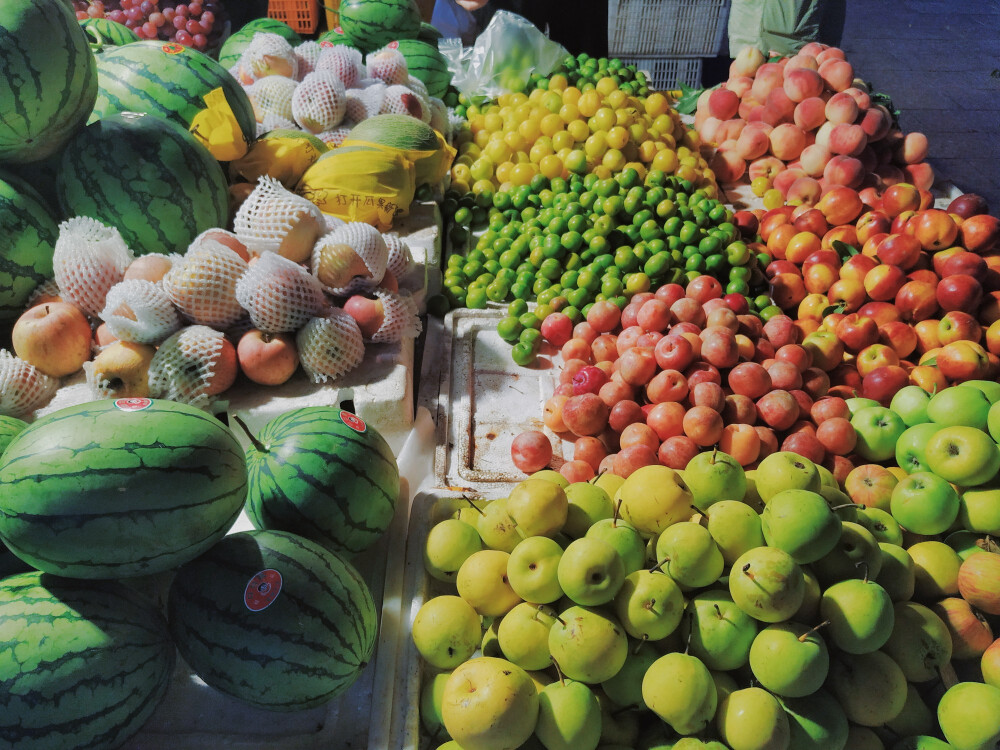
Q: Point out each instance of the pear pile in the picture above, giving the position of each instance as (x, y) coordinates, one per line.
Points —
(711, 607)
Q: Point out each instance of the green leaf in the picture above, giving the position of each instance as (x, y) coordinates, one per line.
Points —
(932, 362)
(688, 101)
(844, 250)
(837, 308)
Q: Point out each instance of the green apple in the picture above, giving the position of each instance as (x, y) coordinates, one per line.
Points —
(538, 506)
(490, 645)
(871, 688)
(752, 719)
(624, 538)
(489, 703)
(496, 527)
(920, 642)
(717, 631)
(482, 582)
(808, 611)
(856, 555)
(882, 525)
(532, 569)
(446, 631)
(789, 659)
(523, 635)
(990, 388)
(590, 571)
(653, 497)
(979, 508)
(860, 615)
(625, 688)
(735, 527)
(963, 455)
(784, 470)
(993, 422)
(896, 574)
(767, 584)
(935, 570)
(689, 555)
(551, 475)
(863, 738)
(713, 476)
(922, 742)
(969, 714)
(967, 543)
(857, 403)
(801, 523)
(448, 544)
(915, 718)
(816, 722)
(826, 477)
(878, 429)
(924, 503)
(588, 504)
(431, 700)
(840, 503)
(910, 403)
(649, 605)
(588, 645)
(609, 482)
(679, 689)
(911, 448)
(618, 728)
(569, 717)
(959, 405)
(752, 497)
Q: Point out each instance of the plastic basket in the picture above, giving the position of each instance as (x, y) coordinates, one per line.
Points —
(666, 27)
(301, 15)
(666, 73)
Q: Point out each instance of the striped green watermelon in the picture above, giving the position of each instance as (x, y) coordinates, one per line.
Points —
(106, 33)
(169, 80)
(146, 176)
(9, 427)
(429, 34)
(83, 664)
(273, 619)
(28, 233)
(9, 562)
(371, 24)
(425, 62)
(117, 488)
(48, 78)
(322, 473)
(333, 37)
(232, 48)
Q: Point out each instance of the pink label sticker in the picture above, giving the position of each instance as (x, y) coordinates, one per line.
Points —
(262, 590)
(353, 421)
(133, 404)
(393, 45)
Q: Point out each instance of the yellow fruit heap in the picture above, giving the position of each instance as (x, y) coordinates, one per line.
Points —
(563, 130)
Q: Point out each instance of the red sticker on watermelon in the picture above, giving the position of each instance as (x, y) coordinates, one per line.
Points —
(133, 404)
(393, 45)
(326, 43)
(353, 421)
(172, 48)
(262, 590)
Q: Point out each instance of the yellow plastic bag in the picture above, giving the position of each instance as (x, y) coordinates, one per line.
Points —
(217, 128)
(431, 165)
(361, 183)
(284, 155)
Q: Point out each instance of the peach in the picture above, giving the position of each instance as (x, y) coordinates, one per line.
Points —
(876, 122)
(934, 229)
(841, 107)
(889, 175)
(822, 134)
(765, 166)
(863, 100)
(830, 53)
(912, 149)
(708, 129)
(812, 48)
(810, 113)
(802, 83)
(727, 164)
(783, 181)
(840, 205)
(805, 190)
(747, 62)
(837, 74)
(750, 109)
(768, 77)
(753, 141)
(921, 175)
(844, 170)
(814, 159)
(801, 61)
(787, 141)
(702, 104)
(781, 104)
(739, 85)
(729, 130)
(723, 103)
(847, 139)
(869, 161)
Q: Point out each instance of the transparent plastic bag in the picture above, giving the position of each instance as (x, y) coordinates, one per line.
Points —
(509, 50)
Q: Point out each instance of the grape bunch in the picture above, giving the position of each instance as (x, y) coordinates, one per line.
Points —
(193, 24)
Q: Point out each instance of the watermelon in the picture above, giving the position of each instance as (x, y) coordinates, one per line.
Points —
(49, 79)
(9, 427)
(427, 64)
(371, 24)
(168, 80)
(106, 33)
(429, 34)
(83, 664)
(119, 488)
(322, 473)
(232, 48)
(28, 233)
(146, 176)
(273, 619)
(333, 37)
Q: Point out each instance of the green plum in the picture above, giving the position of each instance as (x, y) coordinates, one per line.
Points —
(767, 584)
(624, 538)
(790, 659)
(735, 527)
(752, 719)
(590, 571)
(532, 569)
(588, 645)
(649, 605)
(713, 476)
(538, 506)
(588, 504)
(785, 470)
(679, 689)
(801, 523)
(689, 555)
(446, 631)
(569, 717)
(717, 631)
(448, 544)
(860, 614)
(523, 635)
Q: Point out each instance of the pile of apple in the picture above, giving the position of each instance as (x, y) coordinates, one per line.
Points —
(803, 124)
(711, 609)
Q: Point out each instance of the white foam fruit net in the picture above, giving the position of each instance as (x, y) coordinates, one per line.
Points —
(387, 64)
(307, 54)
(181, 369)
(330, 345)
(400, 259)
(274, 219)
(48, 288)
(280, 295)
(140, 311)
(319, 102)
(332, 222)
(269, 54)
(339, 270)
(402, 318)
(439, 116)
(89, 259)
(274, 122)
(401, 100)
(272, 95)
(337, 136)
(344, 62)
(23, 387)
(202, 284)
(362, 103)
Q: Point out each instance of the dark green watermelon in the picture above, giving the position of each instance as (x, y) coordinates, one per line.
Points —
(28, 234)
(427, 64)
(232, 48)
(106, 33)
(371, 24)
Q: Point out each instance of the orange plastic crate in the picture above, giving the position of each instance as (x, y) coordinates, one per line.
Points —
(301, 15)
(332, 9)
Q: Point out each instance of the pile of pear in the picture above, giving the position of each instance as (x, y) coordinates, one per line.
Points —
(706, 608)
